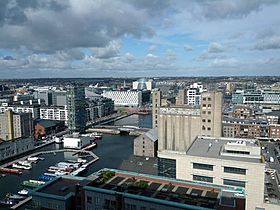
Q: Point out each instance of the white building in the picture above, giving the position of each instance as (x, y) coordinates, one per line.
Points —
(76, 141)
(54, 113)
(22, 109)
(194, 94)
(124, 98)
(221, 161)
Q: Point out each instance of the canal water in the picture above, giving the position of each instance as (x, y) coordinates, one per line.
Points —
(143, 121)
(111, 150)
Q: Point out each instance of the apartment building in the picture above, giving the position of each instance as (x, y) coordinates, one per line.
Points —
(54, 113)
(15, 125)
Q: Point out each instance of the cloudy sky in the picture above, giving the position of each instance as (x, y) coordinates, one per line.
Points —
(128, 38)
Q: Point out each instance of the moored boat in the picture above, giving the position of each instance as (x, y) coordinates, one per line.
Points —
(24, 163)
(32, 183)
(15, 196)
(8, 202)
(18, 166)
(24, 192)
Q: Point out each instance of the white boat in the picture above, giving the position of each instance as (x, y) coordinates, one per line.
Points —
(23, 192)
(32, 158)
(50, 174)
(60, 173)
(24, 163)
(80, 160)
(21, 166)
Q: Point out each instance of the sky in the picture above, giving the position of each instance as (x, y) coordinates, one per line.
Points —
(139, 38)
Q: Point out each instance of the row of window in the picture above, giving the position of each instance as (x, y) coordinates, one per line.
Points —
(209, 167)
(229, 182)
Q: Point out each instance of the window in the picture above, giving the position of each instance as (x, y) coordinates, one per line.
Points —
(204, 105)
(209, 112)
(234, 170)
(209, 129)
(208, 120)
(234, 183)
(89, 199)
(203, 127)
(203, 112)
(204, 99)
(203, 166)
(203, 120)
(167, 167)
(209, 105)
(203, 178)
(238, 152)
(209, 99)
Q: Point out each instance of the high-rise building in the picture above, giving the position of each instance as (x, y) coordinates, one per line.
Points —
(15, 125)
(76, 108)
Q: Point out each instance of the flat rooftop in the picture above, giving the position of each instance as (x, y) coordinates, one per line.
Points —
(146, 187)
(247, 150)
(62, 187)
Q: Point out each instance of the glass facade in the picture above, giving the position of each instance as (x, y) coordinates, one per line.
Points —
(167, 167)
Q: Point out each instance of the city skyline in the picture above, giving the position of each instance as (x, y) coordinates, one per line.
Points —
(138, 38)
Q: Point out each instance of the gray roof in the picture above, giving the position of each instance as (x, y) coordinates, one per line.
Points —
(212, 147)
(274, 113)
(140, 164)
(48, 123)
(152, 134)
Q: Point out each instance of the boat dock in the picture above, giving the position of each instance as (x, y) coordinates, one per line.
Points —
(5, 166)
(19, 204)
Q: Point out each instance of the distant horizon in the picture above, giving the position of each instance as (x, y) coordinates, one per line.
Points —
(155, 77)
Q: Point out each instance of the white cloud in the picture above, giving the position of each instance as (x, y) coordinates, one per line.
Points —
(188, 47)
(226, 62)
(111, 50)
(268, 43)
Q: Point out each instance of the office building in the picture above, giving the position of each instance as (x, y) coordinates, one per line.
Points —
(76, 107)
(124, 98)
(15, 125)
(259, 96)
(222, 161)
